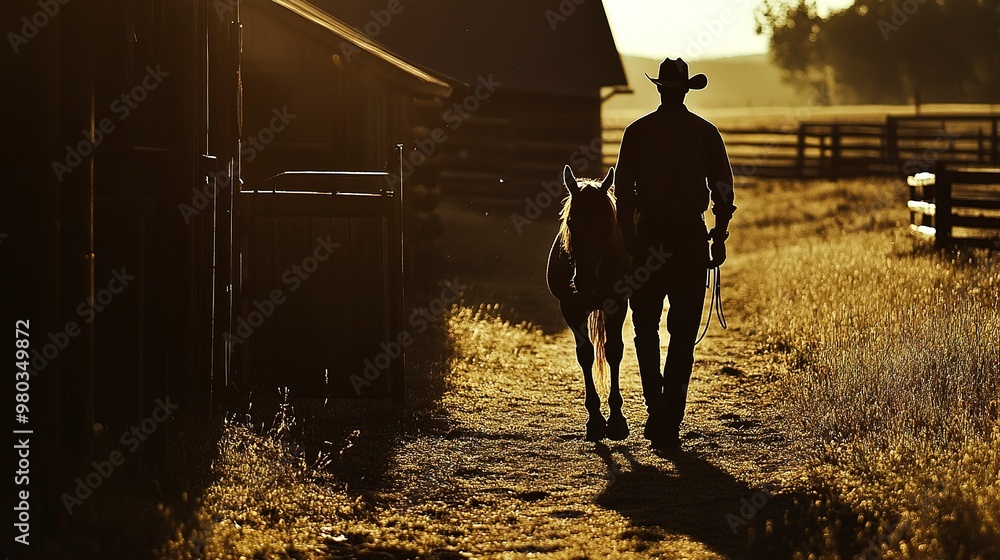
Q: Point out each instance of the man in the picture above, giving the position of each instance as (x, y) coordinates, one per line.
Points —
(671, 163)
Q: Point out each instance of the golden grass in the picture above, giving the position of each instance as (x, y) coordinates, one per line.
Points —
(895, 363)
(482, 335)
(268, 501)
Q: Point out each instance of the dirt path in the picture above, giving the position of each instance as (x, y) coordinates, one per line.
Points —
(501, 468)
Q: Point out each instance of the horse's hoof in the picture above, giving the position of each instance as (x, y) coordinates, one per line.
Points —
(617, 427)
(597, 428)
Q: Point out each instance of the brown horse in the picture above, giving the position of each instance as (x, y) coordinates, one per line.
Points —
(586, 262)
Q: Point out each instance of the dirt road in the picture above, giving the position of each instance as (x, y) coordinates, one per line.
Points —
(501, 468)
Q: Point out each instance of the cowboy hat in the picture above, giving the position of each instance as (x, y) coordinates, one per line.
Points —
(674, 73)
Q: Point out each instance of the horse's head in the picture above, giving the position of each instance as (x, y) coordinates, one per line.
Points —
(588, 226)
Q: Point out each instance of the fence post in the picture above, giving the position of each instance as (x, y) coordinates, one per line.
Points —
(821, 165)
(397, 280)
(800, 151)
(993, 143)
(942, 206)
(892, 140)
(835, 152)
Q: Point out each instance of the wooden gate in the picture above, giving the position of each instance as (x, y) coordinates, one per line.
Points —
(952, 206)
(320, 287)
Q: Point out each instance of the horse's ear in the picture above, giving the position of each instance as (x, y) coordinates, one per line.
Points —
(608, 181)
(570, 181)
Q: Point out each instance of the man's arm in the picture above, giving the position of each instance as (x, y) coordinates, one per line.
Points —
(720, 181)
(625, 191)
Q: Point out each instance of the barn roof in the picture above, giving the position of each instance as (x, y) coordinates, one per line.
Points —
(526, 44)
(420, 77)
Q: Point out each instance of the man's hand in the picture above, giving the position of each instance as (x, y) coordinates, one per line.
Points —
(718, 247)
(718, 254)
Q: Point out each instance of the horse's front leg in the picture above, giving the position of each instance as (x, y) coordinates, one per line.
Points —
(614, 349)
(597, 426)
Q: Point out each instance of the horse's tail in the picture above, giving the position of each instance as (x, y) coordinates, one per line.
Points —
(598, 336)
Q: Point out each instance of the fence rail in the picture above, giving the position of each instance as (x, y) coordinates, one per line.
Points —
(899, 146)
(959, 205)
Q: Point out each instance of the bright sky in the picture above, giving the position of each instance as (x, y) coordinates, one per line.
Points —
(690, 29)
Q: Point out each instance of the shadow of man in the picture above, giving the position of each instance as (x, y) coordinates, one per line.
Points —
(689, 495)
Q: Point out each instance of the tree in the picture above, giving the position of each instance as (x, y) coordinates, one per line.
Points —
(885, 51)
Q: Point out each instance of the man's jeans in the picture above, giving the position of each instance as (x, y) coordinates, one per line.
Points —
(681, 280)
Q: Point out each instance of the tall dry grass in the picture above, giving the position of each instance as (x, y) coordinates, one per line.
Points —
(894, 355)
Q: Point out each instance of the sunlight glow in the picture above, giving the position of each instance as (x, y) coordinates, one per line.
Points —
(710, 29)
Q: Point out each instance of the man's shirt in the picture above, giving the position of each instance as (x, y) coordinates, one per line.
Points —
(671, 163)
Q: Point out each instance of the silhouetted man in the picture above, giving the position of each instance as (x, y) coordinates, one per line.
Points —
(671, 163)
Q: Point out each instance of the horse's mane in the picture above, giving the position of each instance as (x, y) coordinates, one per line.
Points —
(567, 203)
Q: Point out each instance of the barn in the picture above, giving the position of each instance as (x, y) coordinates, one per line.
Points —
(169, 167)
(120, 287)
(538, 72)
(342, 100)
(325, 111)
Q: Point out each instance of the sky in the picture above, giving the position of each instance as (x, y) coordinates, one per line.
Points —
(691, 29)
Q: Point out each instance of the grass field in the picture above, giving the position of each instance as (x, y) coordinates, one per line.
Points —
(895, 364)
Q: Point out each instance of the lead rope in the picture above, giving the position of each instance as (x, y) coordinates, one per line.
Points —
(715, 301)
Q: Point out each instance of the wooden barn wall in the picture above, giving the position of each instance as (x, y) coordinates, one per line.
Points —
(153, 212)
(134, 175)
(114, 214)
(347, 115)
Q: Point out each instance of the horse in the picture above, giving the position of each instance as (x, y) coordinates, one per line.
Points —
(587, 260)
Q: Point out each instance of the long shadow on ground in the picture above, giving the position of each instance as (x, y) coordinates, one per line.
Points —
(693, 497)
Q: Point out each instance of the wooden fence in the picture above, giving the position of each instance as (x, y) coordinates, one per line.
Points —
(898, 146)
(960, 205)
